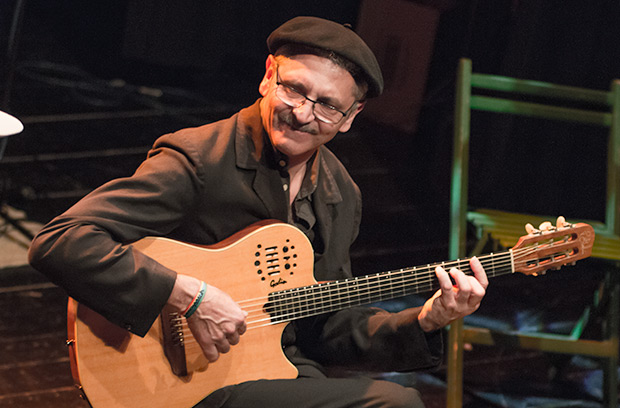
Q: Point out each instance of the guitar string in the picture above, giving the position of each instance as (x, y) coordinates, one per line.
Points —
(332, 289)
(256, 317)
(390, 282)
(365, 292)
(425, 277)
(387, 282)
(366, 283)
(501, 265)
(331, 292)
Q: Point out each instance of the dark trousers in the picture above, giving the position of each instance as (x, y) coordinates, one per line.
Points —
(359, 392)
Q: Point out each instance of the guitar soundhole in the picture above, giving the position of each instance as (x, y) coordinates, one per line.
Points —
(273, 261)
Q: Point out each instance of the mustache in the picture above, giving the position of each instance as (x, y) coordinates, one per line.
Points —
(290, 120)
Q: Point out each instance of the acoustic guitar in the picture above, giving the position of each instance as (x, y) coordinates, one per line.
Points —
(268, 270)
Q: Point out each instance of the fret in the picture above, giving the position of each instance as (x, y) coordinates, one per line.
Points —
(295, 304)
(332, 297)
(274, 307)
(322, 290)
(346, 293)
(287, 305)
(381, 289)
(347, 287)
(433, 283)
(402, 285)
(414, 287)
(326, 293)
(460, 266)
(389, 279)
(314, 299)
(372, 281)
(304, 301)
(353, 292)
(428, 284)
(355, 298)
(329, 299)
(338, 300)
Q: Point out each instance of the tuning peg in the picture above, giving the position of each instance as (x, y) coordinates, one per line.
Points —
(529, 228)
(546, 226)
(561, 222)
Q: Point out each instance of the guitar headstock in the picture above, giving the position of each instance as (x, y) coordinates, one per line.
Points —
(543, 250)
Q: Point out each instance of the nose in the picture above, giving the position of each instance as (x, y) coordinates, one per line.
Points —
(304, 112)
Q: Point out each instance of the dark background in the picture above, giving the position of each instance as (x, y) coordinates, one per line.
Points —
(96, 82)
(211, 55)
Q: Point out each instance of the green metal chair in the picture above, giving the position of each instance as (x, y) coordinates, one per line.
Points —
(475, 91)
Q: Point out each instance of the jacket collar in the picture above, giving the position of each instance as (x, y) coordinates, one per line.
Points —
(250, 137)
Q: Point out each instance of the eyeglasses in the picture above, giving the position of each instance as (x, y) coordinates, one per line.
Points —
(322, 111)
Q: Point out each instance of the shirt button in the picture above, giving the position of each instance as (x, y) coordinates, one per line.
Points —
(282, 163)
(285, 187)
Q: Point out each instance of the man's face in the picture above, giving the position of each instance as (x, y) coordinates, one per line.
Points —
(295, 131)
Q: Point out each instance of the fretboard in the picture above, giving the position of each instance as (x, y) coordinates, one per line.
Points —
(305, 301)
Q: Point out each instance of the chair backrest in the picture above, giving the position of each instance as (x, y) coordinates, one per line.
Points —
(511, 101)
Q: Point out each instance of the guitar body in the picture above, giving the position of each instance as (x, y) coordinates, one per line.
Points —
(117, 369)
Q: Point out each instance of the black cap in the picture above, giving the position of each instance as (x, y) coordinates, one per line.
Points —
(330, 36)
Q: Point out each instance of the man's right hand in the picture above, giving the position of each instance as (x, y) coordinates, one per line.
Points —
(218, 322)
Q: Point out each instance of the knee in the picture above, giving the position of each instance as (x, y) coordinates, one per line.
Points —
(405, 398)
(392, 395)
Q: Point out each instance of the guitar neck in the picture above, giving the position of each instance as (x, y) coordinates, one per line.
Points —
(297, 303)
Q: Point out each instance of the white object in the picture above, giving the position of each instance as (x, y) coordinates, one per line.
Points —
(9, 125)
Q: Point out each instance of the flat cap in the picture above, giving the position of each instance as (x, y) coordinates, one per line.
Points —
(328, 35)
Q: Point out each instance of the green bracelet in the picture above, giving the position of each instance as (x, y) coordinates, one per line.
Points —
(197, 300)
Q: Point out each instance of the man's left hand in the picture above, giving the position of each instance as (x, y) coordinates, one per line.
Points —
(453, 301)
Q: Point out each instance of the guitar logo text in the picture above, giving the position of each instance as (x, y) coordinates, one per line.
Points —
(275, 283)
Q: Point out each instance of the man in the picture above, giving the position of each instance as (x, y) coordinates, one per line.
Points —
(266, 162)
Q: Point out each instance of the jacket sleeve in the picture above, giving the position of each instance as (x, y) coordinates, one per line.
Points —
(85, 249)
(370, 339)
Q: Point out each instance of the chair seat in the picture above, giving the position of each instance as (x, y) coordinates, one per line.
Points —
(507, 228)
(546, 342)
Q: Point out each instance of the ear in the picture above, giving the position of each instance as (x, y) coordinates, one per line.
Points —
(346, 125)
(270, 72)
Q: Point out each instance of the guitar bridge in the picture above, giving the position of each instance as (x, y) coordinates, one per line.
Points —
(174, 341)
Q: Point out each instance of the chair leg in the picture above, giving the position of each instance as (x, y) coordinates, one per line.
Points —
(612, 325)
(454, 369)
(610, 383)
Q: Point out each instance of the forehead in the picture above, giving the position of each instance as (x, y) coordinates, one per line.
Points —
(318, 75)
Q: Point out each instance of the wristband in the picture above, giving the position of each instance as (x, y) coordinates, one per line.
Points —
(196, 301)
